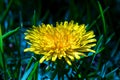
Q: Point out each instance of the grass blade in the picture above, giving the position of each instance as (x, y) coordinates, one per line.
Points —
(111, 73)
(109, 38)
(26, 74)
(98, 45)
(30, 62)
(1, 48)
(115, 48)
(33, 71)
(94, 22)
(6, 12)
(10, 33)
(34, 18)
(103, 18)
(2, 57)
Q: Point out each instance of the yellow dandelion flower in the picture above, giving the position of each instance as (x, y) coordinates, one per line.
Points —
(67, 40)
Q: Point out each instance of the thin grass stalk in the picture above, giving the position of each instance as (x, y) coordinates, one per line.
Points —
(103, 19)
(94, 22)
(2, 55)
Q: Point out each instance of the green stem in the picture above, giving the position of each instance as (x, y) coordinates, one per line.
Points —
(61, 68)
(2, 54)
(19, 57)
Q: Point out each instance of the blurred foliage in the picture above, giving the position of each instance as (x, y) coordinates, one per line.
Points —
(102, 16)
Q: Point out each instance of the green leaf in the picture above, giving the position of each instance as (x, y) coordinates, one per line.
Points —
(10, 33)
(54, 74)
(20, 73)
(30, 63)
(33, 71)
(2, 57)
(103, 18)
(100, 50)
(1, 48)
(111, 73)
(98, 47)
(99, 43)
(45, 16)
(34, 18)
(110, 37)
(115, 48)
(92, 74)
(26, 74)
(6, 12)
(94, 22)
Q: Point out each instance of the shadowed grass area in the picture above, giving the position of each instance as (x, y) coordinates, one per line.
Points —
(100, 16)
